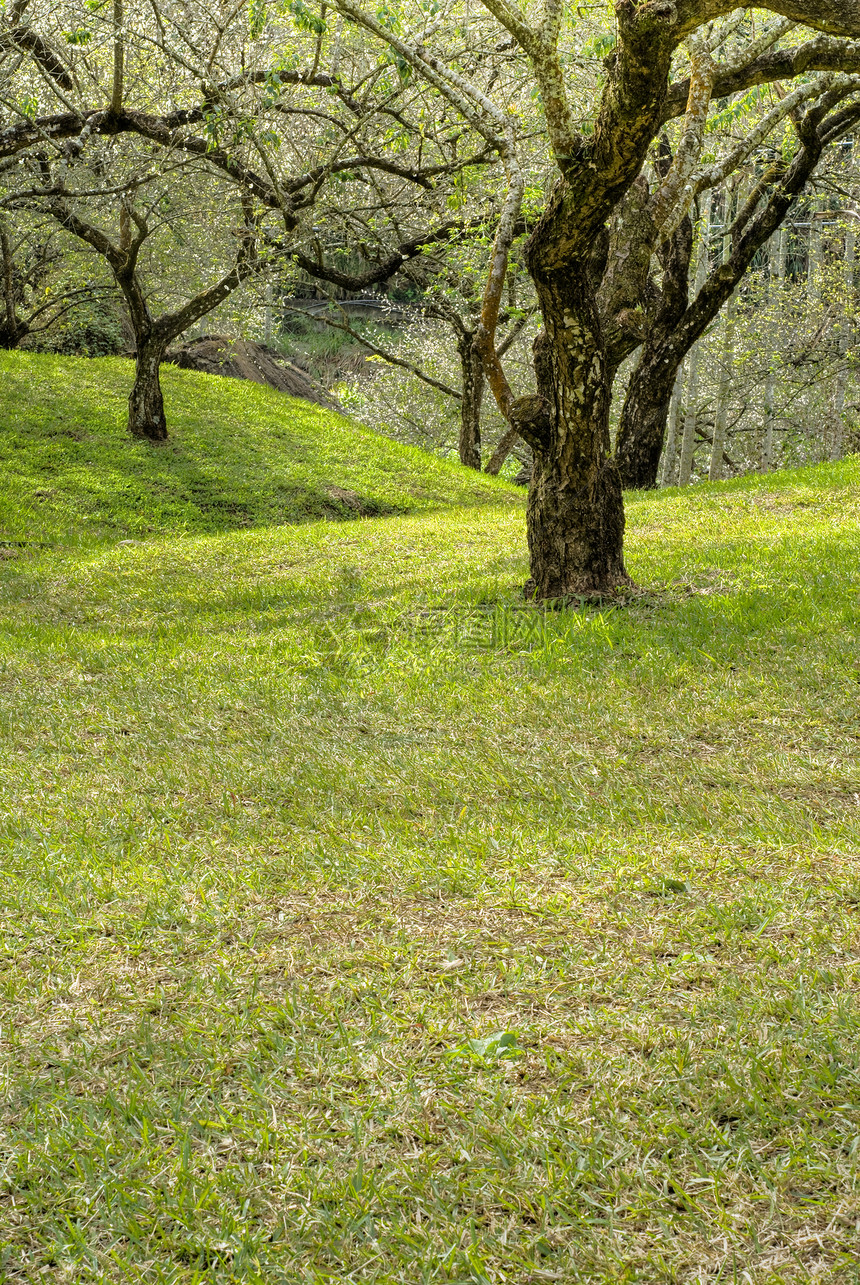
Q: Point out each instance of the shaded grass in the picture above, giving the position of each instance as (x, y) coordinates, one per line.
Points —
(298, 822)
(240, 456)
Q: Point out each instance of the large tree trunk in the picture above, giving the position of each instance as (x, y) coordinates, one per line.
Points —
(470, 406)
(575, 515)
(146, 416)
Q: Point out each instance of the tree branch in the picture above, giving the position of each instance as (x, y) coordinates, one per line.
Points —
(835, 17)
(390, 265)
(821, 54)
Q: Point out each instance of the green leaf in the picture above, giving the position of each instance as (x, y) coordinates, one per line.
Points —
(256, 18)
(599, 46)
(502, 1044)
(304, 18)
(665, 887)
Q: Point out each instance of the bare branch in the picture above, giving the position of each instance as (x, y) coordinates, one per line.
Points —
(835, 17)
(118, 59)
(390, 357)
(676, 193)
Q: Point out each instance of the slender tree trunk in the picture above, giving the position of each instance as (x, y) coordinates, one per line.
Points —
(267, 316)
(837, 439)
(667, 477)
(776, 273)
(644, 417)
(688, 442)
(766, 447)
(146, 416)
(813, 266)
(12, 329)
(642, 427)
(718, 446)
(507, 442)
(470, 407)
(813, 306)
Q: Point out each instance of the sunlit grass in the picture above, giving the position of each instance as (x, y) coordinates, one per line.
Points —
(299, 821)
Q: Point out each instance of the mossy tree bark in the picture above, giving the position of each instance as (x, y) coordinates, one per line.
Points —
(472, 380)
(575, 509)
(575, 517)
(146, 417)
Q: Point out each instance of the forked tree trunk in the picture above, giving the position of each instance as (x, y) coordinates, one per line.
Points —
(575, 514)
(644, 417)
(146, 416)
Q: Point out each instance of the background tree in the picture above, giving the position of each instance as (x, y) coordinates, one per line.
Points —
(40, 281)
(253, 144)
(829, 110)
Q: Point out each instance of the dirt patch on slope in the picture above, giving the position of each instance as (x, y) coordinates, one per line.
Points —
(241, 359)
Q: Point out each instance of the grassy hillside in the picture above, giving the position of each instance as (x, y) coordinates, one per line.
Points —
(360, 924)
(240, 456)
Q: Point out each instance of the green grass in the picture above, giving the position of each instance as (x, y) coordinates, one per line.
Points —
(240, 456)
(298, 823)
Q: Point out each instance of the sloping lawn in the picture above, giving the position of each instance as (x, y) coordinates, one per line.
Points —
(359, 924)
(240, 456)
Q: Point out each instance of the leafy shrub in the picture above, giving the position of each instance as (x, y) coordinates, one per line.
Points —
(93, 329)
